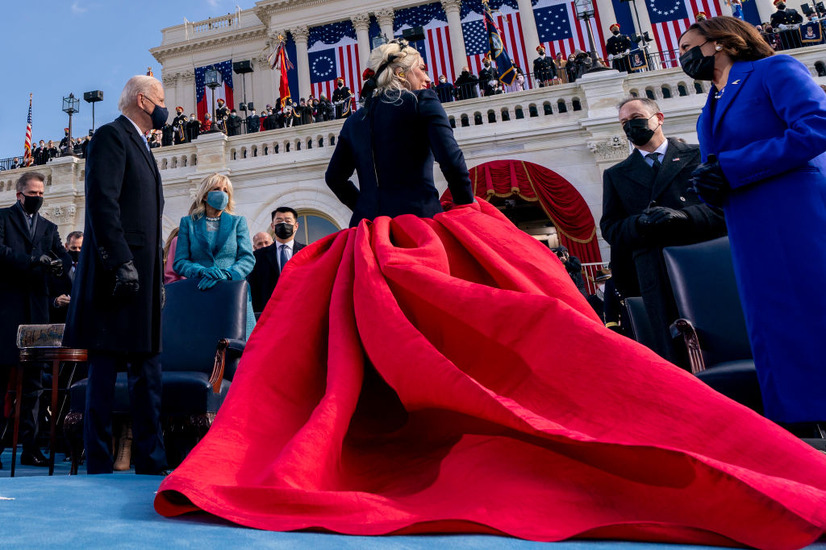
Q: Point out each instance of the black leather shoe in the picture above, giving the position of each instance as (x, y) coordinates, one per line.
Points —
(33, 458)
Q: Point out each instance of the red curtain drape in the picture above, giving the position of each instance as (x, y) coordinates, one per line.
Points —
(562, 203)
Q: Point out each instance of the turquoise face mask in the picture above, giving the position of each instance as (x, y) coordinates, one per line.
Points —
(217, 199)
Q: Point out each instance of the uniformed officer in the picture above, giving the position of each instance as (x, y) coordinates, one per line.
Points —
(488, 77)
(785, 20)
(544, 70)
(618, 47)
(221, 115)
(341, 99)
(179, 125)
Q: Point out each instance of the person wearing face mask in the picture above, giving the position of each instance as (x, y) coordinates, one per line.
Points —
(770, 178)
(648, 204)
(253, 122)
(786, 21)
(544, 68)
(466, 85)
(213, 243)
(488, 77)
(60, 286)
(445, 90)
(618, 47)
(233, 124)
(342, 99)
(270, 260)
(115, 311)
(30, 252)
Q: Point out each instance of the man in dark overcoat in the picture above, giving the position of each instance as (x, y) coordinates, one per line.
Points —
(115, 310)
(30, 252)
(648, 204)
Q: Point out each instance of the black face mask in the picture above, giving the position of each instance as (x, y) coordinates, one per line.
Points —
(616, 33)
(638, 131)
(284, 230)
(74, 254)
(32, 204)
(696, 65)
(781, 7)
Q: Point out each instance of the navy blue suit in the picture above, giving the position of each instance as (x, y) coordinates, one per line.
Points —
(769, 134)
(405, 138)
(124, 204)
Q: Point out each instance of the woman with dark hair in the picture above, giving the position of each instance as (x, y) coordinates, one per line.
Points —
(762, 138)
(439, 372)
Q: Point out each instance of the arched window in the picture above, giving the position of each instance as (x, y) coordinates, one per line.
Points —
(313, 225)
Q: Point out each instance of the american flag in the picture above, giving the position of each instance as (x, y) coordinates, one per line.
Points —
(27, 145)
(333, 52)
(436, 48)
(509, 22)
(670, 18)
(203, 95)
(560, 30)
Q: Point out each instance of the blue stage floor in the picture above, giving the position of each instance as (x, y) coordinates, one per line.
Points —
(115, 511)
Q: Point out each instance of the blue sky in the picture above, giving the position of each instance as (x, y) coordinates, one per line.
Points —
(52, 48)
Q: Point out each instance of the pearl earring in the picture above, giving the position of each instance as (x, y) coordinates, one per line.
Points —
(718, 48)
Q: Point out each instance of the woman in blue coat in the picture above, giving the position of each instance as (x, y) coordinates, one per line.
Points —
(214, 244)
(763, 137)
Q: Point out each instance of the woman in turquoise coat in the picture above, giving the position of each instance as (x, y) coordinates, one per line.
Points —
(763, 141)
(213, 244)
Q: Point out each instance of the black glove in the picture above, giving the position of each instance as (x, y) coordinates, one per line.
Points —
(661, 215)
(56, 267)
(126, 280)
(41, 260)
(710, 182)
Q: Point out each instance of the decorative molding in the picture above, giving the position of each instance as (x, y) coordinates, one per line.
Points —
(171, 79)
(361, 21)
(60, 214)
(300, 33)
(613, 148)
(188, 76)
(385, 16)
(234, 38)
(452, 5)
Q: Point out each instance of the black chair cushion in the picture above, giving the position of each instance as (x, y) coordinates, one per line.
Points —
(640, 322)
(705, 289)
(183, 393)
(736, 380)
(195, 320)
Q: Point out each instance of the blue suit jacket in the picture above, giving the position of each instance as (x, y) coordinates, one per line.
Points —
(405, 138)
(769, 132)
(232, 251)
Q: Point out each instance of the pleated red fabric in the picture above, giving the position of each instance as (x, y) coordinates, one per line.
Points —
(428, 376)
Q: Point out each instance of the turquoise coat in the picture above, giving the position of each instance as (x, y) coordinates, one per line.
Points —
(232, 251)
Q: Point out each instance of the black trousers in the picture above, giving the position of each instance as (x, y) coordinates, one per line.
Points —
(29, 405)
(144, 375)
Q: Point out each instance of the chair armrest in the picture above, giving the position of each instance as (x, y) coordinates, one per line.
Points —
(226, 347)
(684, 328)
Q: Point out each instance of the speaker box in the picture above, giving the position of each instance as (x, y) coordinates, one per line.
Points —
(91, 97)
(250, 106)
(241, 67)
(414, 34)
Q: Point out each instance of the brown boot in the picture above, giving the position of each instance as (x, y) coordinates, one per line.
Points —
(123, 457)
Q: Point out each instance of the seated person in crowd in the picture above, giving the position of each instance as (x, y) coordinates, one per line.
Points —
(213, 244)
(270, 260)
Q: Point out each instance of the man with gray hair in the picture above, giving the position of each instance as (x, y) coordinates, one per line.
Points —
(648, 204)
(115, 311)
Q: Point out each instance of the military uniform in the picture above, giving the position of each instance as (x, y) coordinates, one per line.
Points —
(179, 128)
(486, 76)
(616, 46)
(789, 38)
(544, 70)
(341, 99)
(221, 115)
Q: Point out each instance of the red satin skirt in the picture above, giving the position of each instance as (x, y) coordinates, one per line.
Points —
(445, 375)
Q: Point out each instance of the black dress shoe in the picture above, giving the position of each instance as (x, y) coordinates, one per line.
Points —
(33, 458)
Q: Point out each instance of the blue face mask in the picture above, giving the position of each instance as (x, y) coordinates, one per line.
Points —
(158, 115)
(217, 199)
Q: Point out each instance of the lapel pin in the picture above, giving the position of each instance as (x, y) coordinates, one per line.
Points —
(675, 159)
(736, 82)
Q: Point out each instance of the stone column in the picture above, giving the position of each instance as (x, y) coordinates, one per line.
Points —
(187, 98)
(302, 59)
(453, 11)
(608, 17)
(170, 88)
(361, 22)
(385, 18)
(529, 33)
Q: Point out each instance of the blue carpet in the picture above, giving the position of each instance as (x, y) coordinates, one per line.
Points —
(115, 511)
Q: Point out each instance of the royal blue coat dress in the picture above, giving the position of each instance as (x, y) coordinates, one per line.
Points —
(231, 249)
(768, 130)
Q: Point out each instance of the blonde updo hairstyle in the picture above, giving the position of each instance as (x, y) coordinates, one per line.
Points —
(398, 58)
(198, 207)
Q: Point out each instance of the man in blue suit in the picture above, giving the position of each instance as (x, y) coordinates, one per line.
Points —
(115, 311)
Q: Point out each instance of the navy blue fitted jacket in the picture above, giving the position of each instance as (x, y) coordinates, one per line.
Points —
(404, 138)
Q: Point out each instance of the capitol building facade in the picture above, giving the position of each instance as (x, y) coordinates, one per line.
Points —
(570, 129)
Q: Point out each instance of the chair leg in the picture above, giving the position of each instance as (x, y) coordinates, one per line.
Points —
(73, 430)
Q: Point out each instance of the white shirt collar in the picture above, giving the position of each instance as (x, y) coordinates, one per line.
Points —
(288, 243)
(138, 128)
(661, 150)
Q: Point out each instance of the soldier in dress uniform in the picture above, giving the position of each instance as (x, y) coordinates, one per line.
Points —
(179, 125)
(544, 70)
(341, 99)
(488, 77)
(785, 20)
(618, 47)
(221, 115)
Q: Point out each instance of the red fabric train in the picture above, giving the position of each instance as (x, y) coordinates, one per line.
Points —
(414, 375)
